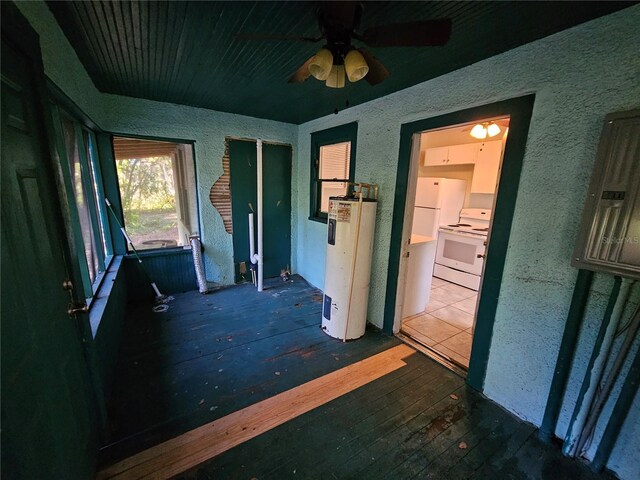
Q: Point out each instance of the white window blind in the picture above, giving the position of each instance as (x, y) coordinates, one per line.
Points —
(334, 161)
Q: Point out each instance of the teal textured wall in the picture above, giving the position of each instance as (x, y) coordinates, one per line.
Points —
(136, 116)
(578, 76)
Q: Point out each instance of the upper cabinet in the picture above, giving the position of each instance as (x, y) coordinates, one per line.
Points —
(453, 155)
(461, 154)
(487, 167)
(436, 156)
(485, 156)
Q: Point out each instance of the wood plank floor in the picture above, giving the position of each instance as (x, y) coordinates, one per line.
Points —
(211, 358)
(211, 355)
(194, 447)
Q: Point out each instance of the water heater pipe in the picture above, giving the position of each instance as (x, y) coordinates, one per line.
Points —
(353, 265)
(253, 256)
(260, 210)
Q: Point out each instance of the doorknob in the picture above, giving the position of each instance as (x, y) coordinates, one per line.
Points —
(480, 255)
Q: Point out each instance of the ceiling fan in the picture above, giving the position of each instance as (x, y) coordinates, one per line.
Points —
(339, 58)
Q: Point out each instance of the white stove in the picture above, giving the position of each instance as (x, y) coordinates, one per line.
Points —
(473, 221)
(461, 248)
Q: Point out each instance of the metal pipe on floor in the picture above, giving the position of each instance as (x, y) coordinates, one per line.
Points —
(618, 415)
(196, 251)
(567, 349)
(597, 363)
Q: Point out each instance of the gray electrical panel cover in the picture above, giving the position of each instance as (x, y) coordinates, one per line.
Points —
(609, 235)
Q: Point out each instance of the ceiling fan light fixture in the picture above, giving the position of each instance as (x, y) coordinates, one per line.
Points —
(336, 77)
(355, 65)
(479, 131)
(493, 129)
(321, 65)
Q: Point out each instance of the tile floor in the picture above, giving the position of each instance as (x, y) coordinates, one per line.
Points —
(446, 325)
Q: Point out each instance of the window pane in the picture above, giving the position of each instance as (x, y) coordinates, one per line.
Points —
(93, 174)
(157, 189)
(334, 161)
(81, 197)
(331, 189)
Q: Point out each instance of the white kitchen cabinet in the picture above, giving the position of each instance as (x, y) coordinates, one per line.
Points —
(462, 154)
(487, 167)
(436, 156)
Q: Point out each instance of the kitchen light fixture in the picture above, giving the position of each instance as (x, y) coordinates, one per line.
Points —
(481, 130)
(493, 129)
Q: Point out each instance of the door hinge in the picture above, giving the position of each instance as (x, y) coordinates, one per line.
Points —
(74, 308)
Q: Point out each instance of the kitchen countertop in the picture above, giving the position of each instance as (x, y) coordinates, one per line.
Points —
(418, 239)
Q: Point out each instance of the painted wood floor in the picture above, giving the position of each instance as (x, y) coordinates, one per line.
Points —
(228, 357)
(211, 355)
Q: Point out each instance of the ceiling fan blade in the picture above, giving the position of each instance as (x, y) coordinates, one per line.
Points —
(377, 71)
(426, 33)
(278, 38)
(302, 73)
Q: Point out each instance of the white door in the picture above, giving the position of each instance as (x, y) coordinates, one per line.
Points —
(428, 192)
(425, 222)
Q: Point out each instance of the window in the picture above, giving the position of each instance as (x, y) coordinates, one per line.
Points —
(333, 154)
(157, 190)
(84, 188)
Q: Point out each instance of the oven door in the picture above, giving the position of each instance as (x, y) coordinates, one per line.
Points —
(461, 251)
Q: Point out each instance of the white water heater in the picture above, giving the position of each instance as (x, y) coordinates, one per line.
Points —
(350, 230)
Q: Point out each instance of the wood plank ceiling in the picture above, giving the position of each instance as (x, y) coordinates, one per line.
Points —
(186, 53)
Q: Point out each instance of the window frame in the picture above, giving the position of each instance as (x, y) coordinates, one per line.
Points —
(192, 145)
(342, 133)
(90, 169)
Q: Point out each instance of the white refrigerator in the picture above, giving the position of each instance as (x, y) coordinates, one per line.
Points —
(438, 202)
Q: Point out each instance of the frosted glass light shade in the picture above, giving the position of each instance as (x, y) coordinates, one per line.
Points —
(336, 77)
(478, 131)
(493, 129)
(320, 66)
(355, 66)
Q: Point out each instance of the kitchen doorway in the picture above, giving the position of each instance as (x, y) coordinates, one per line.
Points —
(484, 281)
(453, 184)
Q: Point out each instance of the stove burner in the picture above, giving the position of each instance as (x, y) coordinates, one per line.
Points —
(460, 225)
(485, 229)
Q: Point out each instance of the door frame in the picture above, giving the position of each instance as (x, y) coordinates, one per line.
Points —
(519, 110)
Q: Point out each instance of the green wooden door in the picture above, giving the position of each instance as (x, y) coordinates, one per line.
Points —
(277, 204)
(48, 421)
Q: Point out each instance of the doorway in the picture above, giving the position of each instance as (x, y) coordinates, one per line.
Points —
(518, 111)
(452, 189)
(277, 205)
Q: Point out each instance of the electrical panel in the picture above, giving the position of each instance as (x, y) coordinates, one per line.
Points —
(609, 235)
